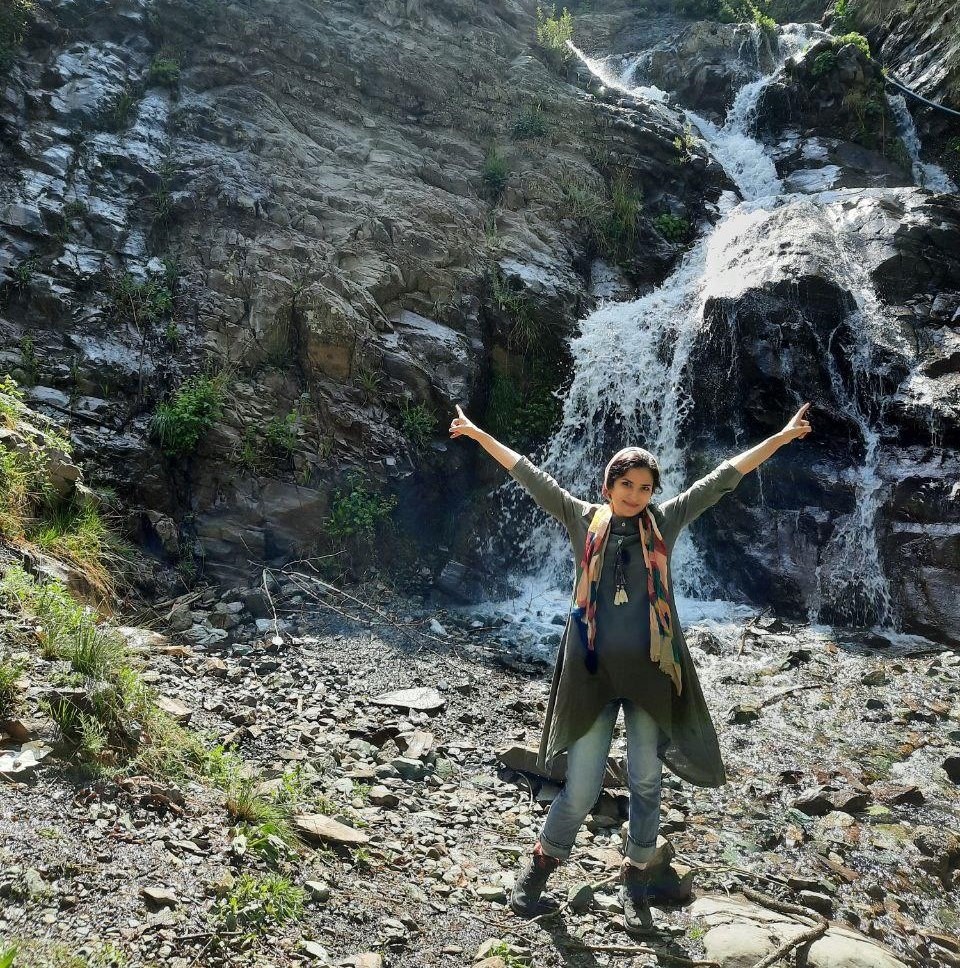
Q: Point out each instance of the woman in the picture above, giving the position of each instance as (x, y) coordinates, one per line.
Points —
(623, 646)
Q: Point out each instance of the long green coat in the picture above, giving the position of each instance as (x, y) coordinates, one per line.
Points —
(690, 750)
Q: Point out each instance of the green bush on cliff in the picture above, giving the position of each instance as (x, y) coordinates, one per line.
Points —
(843, 16)
(14, 21)
(494, 174)
(524, 411)
(530, 124)
(417, 422)
(672, 227)
(858, 40)
(180, 423)
(555, 33)
(164, 71)
(357, 511)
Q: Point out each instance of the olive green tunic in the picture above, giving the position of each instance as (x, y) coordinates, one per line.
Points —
(688, 742)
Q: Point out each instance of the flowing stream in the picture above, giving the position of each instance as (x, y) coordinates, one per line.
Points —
(627, 386)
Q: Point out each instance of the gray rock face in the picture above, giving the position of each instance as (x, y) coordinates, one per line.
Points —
(706, 63)
(303, 210)
(828, 116)
(850, 305)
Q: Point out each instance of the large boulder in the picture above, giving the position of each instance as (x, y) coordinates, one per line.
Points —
(852, 305)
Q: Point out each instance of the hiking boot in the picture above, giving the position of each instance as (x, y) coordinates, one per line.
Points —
(635, 898)
(525, 897)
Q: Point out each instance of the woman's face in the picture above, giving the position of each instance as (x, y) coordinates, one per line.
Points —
(631, 493)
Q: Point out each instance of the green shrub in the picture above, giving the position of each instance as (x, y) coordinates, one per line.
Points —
(494, 174)
(823, 63)
(75, 209)
(842, 16)
(182, 422)
(164, 71)
(555, 33)
(10, 672)
(14, 21)
(672, 227)
(418, 423)
(525, 327)
(145, 303)
(257, 902)
(858, 40)
(530, 124)
(523, 411)
(357, 511)
(119, 112)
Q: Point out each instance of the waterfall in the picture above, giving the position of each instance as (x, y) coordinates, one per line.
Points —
(925, 175)
(630, 357)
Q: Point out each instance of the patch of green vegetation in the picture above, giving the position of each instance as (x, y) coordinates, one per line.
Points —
(255, 903)
(728, 11)
(369, 380)
(823, 64)
(183, 421)
(899, 154)
(267, 448)
(858, 41)
(494, 174)
(75, 531)
(608, 220)
(672, 227)
(524, 410)
(115, 720)
(842, 17)
(28, 358)
(525, 329)
(10, 672)
(164, 71)
(22, 274)
(75, 209)
(555, 33)
(119, 112)
(510, 956)
(530, 124)
(417, 422)
(357, 511)
(868, 108)
(14, 21)
(145, 303)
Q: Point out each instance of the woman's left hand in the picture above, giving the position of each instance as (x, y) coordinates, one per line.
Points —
(798, 427)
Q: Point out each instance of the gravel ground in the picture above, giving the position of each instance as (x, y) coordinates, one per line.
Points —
(801, 717)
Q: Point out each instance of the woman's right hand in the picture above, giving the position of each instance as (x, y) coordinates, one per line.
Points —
(461, 425)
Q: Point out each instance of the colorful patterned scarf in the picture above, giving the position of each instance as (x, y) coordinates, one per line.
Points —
(664, 648)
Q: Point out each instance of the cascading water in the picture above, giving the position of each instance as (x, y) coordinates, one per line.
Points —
(630, 359)
(924, 174)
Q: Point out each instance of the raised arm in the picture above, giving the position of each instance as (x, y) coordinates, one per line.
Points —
(686, 507)
(796, 429)
(538, 484)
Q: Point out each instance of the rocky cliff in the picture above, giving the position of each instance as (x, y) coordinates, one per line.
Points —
(351, 216)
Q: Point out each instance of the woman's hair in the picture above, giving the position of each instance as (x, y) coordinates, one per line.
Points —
(627, 459)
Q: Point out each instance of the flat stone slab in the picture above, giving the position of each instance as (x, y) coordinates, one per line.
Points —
(320, 827)
(741, 933)
(421, 698)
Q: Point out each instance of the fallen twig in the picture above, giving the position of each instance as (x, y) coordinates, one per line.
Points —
(817, 930)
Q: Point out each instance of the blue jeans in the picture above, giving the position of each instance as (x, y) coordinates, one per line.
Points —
(586, 765)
